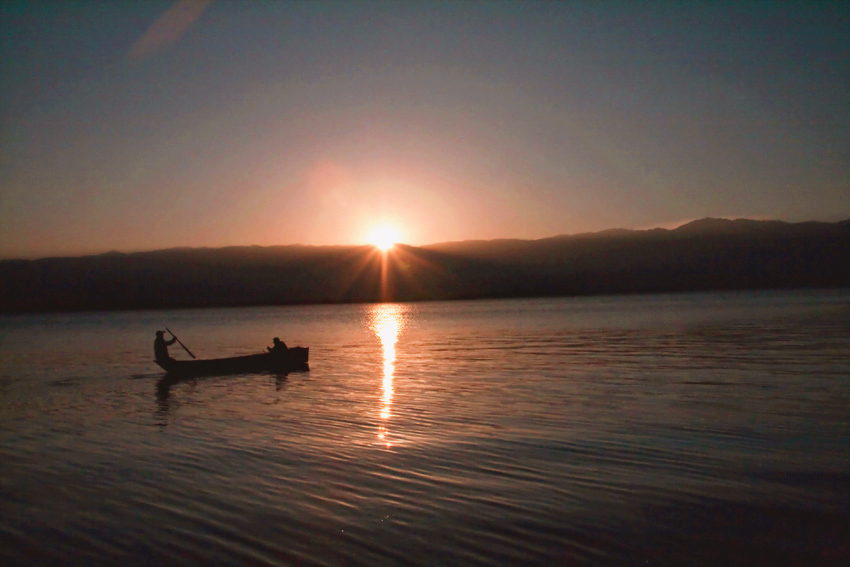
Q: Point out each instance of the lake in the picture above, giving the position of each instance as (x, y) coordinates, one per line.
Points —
(698, 429)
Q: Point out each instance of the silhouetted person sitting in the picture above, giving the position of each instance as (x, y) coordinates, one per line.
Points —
(279, 346)
(160, 346)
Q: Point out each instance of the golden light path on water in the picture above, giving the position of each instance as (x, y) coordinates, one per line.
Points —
(387, 321)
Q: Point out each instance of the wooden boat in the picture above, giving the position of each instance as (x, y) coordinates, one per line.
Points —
(286, 361)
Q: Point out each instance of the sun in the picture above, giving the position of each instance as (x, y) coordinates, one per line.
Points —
(383, 237)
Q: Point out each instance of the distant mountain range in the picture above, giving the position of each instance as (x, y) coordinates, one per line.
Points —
(707, 254)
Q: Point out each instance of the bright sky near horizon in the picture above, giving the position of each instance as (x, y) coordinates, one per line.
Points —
(150, 124)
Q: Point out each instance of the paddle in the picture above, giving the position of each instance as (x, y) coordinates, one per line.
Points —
(181, 344)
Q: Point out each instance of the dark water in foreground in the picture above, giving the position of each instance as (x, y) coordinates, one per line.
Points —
(709, 429)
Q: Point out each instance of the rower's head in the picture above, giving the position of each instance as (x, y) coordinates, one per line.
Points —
(276, 340)
(160, 333)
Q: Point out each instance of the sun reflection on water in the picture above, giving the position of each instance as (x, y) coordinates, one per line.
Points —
(387, 321)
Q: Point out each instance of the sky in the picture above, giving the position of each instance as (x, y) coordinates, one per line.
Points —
(139, 125)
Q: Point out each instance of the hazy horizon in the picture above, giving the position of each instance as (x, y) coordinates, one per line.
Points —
(673, 226)
(210, 123)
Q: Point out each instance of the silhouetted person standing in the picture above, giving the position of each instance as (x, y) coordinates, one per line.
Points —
(160, 346)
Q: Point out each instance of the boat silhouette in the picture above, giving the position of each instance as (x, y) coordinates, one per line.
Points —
(294, 358)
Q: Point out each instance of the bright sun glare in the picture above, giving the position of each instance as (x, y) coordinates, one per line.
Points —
(383, 237)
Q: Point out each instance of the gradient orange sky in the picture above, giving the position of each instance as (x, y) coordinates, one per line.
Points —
(142, 125)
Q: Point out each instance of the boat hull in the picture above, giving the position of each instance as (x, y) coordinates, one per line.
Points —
(291, 359)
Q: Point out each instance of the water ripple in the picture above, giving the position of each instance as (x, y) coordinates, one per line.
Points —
(609, 431)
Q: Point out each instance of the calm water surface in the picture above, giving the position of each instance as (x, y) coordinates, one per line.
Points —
(704, 429)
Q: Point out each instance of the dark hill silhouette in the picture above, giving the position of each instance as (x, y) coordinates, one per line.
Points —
(709, 254)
